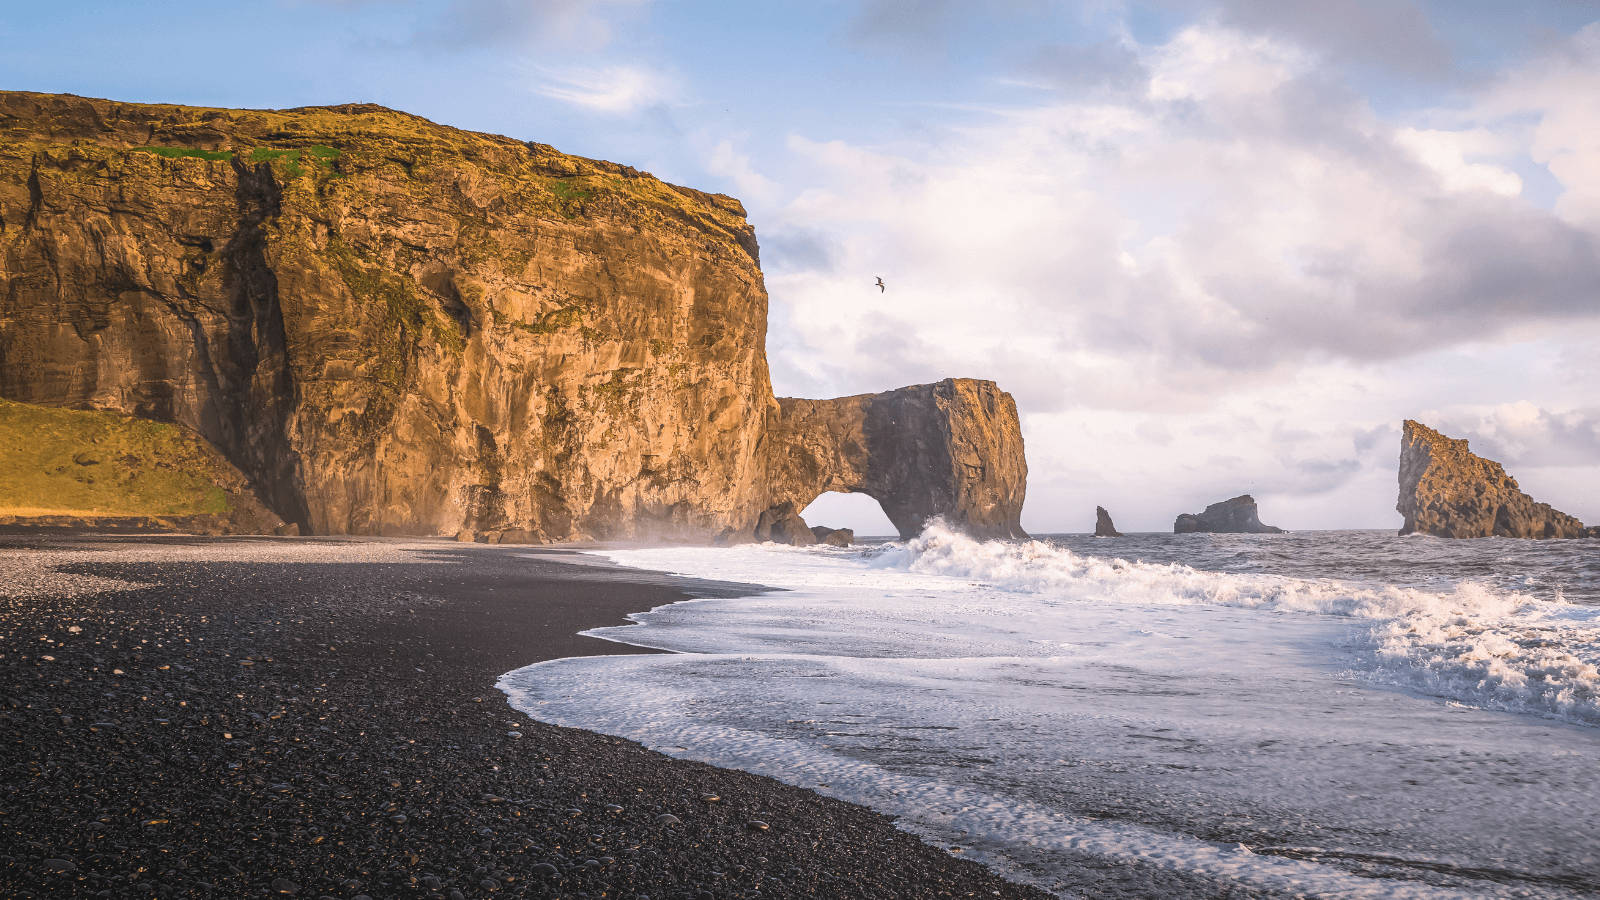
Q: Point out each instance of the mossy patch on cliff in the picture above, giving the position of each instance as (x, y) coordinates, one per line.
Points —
(72, 462)
(317, 156)
(186, 152)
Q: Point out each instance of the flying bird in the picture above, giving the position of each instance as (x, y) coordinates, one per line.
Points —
(880, 285)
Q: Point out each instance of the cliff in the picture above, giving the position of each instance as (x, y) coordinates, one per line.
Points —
(1448, 491)
(1236, 516)
(395, 327)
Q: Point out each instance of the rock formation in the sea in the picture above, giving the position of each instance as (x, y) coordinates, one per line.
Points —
(834, 537)
(780, 524)
(1102, 524)
(951, 449)
(396, 327)
(1448, 491)
(1236, 516)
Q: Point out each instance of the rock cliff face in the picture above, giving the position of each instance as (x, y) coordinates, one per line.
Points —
(1103, 526)
(1448, 491)
(1236, 516)
(395, 327)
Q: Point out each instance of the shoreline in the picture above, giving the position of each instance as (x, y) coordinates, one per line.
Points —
(247, 712)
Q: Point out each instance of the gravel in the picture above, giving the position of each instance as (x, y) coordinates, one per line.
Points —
(226, 717)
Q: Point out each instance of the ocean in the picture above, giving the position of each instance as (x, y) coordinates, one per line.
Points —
(1329, 714)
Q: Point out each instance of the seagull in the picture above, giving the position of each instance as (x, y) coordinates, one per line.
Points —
(880, 285)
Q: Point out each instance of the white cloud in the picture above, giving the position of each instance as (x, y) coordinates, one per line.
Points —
(1524, 434)
(724, 161)
(1239, 217)
(1446, 153)
(1562, 87)
(617, 90)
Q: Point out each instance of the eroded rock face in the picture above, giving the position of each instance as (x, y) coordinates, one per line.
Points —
(396, 327)
(781, 524)
(951, 449)
(1102, 524)
(1236, 516)
(1448, 491)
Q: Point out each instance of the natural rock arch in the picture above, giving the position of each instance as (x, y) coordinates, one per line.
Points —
(950, 449)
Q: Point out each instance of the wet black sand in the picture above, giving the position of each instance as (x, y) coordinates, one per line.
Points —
(331, 729)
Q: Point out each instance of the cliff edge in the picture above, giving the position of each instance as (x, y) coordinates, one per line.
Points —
(394, 327)
(1448, 491)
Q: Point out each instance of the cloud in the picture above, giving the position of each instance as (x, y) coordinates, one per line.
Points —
(1109, 67)
(1561, 87)
(1223, 218)
(1525, 435)
(616, 90)
(724, 161)
(792, 248)
(921, 27)
(1395, 34)
(470, 24)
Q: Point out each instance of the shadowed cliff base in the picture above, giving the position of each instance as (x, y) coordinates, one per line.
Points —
(1448, 491)
(395, 327)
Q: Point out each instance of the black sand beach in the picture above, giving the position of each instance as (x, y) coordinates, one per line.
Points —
(267, 717)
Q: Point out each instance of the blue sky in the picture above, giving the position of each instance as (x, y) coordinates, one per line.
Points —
(1211, 246)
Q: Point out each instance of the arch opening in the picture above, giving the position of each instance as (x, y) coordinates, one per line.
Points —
(858, 512)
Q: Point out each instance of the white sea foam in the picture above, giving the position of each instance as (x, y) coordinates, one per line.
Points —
(1041, 707)
(1474, 644)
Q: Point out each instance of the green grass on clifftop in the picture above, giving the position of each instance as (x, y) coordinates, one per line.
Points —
(70, 462)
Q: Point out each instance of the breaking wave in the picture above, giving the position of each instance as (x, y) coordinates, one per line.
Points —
(1476, 644)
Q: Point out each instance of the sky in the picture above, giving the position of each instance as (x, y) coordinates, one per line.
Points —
(1211, 247)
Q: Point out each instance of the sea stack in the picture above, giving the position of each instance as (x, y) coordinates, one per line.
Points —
(1236, 516)
(1448, 491)
(834, 537)
(1102, 524)
(389, 326)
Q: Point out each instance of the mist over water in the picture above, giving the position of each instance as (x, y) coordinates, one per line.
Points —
(1348, 714)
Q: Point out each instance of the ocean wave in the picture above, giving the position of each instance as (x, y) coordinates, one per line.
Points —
(1476, 644)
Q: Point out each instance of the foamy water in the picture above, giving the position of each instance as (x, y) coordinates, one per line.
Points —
(1053, 711)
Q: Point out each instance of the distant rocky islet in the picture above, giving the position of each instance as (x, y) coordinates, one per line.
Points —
(1445, 491)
